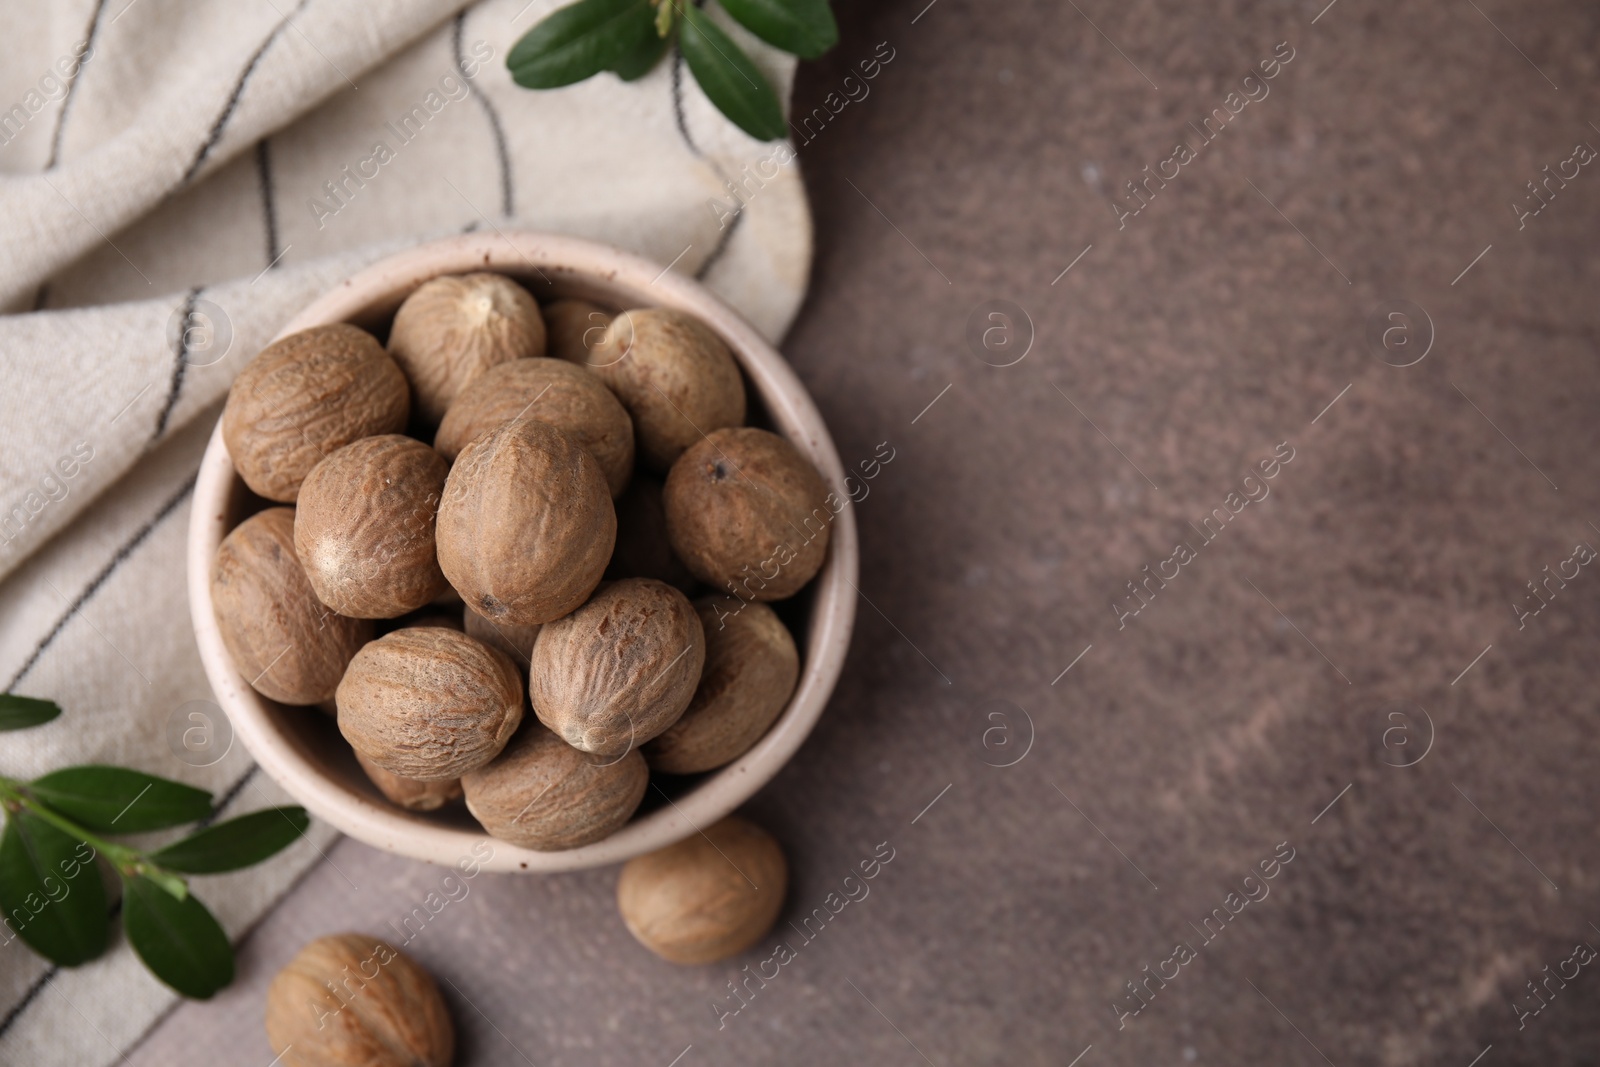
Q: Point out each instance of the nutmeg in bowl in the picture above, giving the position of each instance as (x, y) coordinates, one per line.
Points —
(302, 749)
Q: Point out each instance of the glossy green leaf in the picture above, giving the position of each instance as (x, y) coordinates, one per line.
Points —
(50, 891)
(19, 713)
(172, 883)
(804, 27)
(236, 843)
(729, 78)
(641, 58)
(177, 939)
(579, 41)
(116, 800)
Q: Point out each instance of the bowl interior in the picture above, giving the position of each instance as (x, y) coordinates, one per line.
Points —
(301, 747)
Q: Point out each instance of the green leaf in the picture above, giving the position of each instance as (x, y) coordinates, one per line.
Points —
(177, 939)
(236, 843)
(19, 713)
(50, 891)
(579, 41)
(642, 57)
(116, 800)
(172, 883)
(804, 27)
(729, 78)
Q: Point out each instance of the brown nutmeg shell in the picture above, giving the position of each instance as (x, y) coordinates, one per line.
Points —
(619, 670)
(427, 703)
(710, 896)
(675, 376)
(544, 794)
(364, 527)
(283, 640)
(553, 391)
(409, 793)
(305, 396)
(454, 328)
(748, 514)
(526, 525)
(573, 328)
(751, 669)
(351, 999)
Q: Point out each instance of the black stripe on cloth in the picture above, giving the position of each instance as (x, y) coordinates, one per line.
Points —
(677, 101)
(180, 362)
(221, 124)
(128, 548)
(72, 85)
(228, 797)
(722, 245)
(264, 169)
(504, 154)
(27, 998)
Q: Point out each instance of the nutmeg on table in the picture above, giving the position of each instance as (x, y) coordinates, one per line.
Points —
(710, 896)
(536, 431)
(351, 1000)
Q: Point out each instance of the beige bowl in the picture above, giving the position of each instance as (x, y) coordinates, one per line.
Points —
(301, 748)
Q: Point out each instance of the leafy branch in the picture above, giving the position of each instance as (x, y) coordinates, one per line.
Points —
(53, 896)
(628, 38)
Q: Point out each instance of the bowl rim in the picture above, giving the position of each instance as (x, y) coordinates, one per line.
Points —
(585, 268)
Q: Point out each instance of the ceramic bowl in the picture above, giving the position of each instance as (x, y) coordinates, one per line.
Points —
(301, 748)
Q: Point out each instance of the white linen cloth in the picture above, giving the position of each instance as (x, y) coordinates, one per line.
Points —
(178, 178)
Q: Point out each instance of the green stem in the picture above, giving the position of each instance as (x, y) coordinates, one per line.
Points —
(127, 861)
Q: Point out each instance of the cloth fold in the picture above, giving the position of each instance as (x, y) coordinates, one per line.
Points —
(177, 179)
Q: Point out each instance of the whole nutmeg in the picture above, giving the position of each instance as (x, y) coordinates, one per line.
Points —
(350, 1000)
(674, 375)
(642, 549)
(287, 644)
(409, 793)
(620, 669)
(454, 328)
(542, 793)
(515, 641)
(526, 525)
(751, 668)
(364, 527)
(304, 396)
(564, 395)
(748, 514)
(710, 896)
(428, 703)
(574, 327)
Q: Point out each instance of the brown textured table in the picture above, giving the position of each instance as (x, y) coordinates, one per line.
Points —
(1358, 611)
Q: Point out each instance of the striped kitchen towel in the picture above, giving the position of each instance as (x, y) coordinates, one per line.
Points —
(178, 178)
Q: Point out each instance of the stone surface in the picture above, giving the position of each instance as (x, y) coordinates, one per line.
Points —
(1254, 690)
